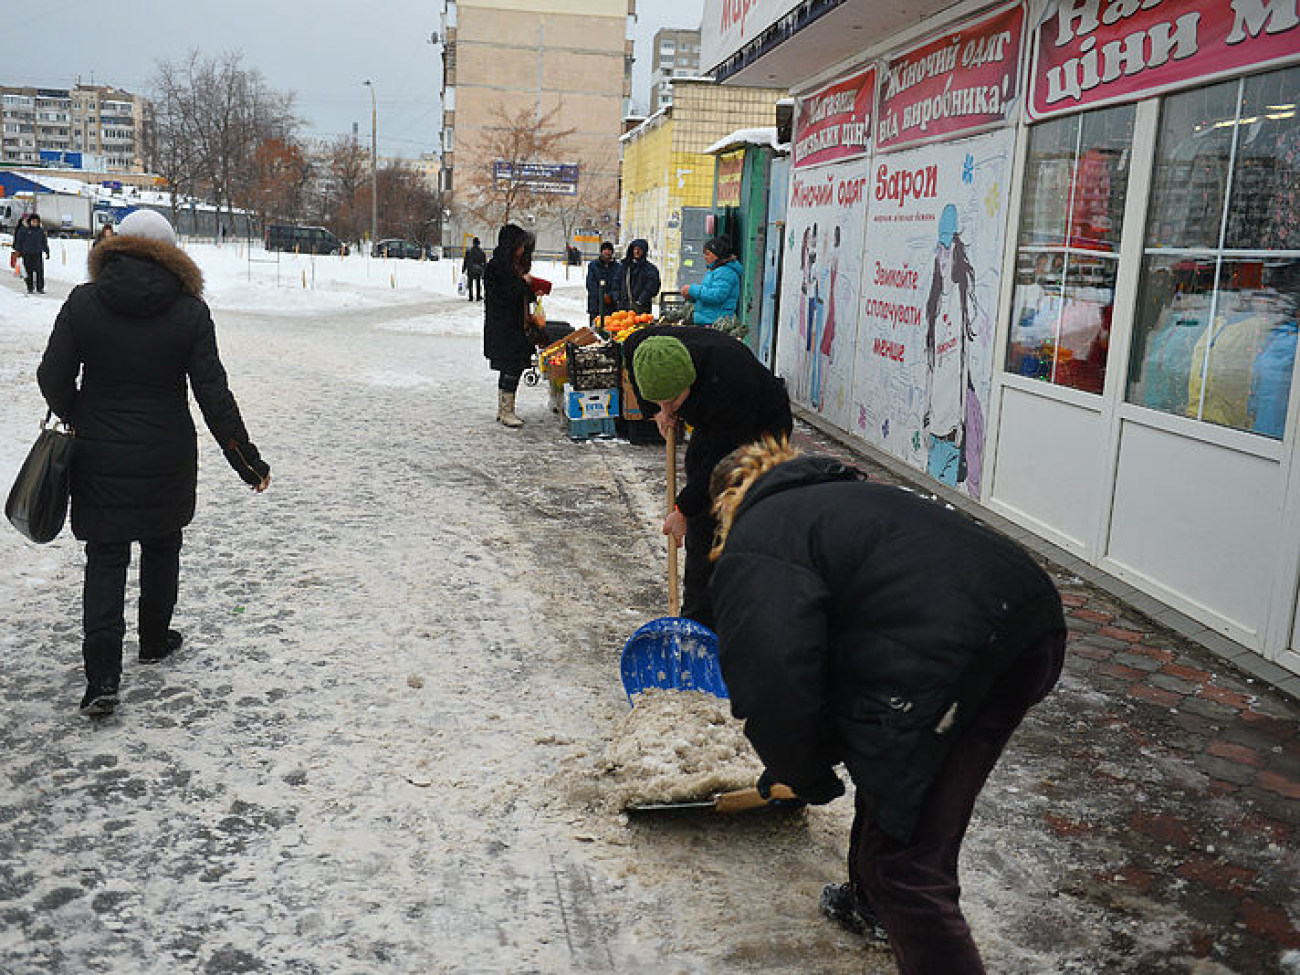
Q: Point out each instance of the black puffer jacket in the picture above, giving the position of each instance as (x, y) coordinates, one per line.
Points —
(506, 297)
(135, 334)
(849, 611)
(734, 400)
(638, 279)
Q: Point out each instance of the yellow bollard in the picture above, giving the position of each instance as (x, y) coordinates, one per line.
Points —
(392, 280)
(304, 279)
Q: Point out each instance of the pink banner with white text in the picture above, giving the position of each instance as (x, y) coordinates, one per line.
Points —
(1089, 52)
(834, 124)
(964, 79)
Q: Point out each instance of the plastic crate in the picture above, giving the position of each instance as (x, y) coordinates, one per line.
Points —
(639, 431)
(590, 404)
(599, 429)
(595, 366)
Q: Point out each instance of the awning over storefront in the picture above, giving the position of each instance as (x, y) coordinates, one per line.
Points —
(779, 43)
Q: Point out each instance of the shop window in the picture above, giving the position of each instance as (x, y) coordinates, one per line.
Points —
(1215, 327)
(1067, 250)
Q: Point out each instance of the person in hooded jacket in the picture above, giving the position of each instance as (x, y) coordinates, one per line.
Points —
(713, 382)
(603, 284)
(718, 295)
(33, 246)
(135, 334)
(472, 266)
(638, 279)
(508, 294)
(866, 624)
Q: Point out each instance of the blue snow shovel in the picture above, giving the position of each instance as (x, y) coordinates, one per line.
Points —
(672, 652)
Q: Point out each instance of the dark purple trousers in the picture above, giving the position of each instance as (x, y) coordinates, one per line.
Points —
(913, 887)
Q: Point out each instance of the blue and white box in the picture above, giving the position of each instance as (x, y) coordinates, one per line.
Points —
(590, 404)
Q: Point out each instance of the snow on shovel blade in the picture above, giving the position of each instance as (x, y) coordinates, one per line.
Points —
(742, 800)
(673, 653)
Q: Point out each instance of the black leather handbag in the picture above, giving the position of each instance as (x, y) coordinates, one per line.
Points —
(38, 501)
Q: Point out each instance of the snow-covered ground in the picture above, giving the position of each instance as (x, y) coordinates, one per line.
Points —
(379, 749)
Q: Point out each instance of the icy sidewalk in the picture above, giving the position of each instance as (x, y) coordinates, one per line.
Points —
(377, 751)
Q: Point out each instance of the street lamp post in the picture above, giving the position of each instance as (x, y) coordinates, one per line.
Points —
(374, 167)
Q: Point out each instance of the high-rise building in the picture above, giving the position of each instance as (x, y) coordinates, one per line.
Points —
(513, 58)
(103, 125)
(676, 54)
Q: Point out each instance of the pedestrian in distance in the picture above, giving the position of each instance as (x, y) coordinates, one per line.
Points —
(638, 279)
(867, 625)
(472, 267)
(718, 295)
(105, 232)
(508, 294)
(603, 283)
(713, 382)
(134, 336)
(33, 246)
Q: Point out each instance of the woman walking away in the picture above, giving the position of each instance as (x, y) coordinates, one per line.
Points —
(864, 624)
(507, 293)
(135, 334)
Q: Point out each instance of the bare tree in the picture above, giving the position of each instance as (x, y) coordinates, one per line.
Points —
(212, 114)
(595, 199)
(513, 142)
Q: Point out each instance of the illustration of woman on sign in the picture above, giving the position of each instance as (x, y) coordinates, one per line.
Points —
(953, 420)
(823, 341)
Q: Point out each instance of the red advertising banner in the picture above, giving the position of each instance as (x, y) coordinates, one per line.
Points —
(1090, 52)
(835, 123)
(964, 79)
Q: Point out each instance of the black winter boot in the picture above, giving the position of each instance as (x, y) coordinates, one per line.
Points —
(848, 910)
(151, 651)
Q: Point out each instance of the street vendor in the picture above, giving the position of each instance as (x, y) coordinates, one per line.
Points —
(865, 624)
(712, 382)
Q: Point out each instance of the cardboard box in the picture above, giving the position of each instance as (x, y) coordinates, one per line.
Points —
(558, 372)
(631, 405)
(590, 404)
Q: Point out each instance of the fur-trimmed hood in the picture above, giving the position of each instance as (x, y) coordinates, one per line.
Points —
(142, 277)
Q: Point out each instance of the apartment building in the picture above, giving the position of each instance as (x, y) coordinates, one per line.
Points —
(102, 125)
(537, 56)
(675, 54)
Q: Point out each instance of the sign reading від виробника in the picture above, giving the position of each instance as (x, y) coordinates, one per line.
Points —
(966, 78)
(1097, 52)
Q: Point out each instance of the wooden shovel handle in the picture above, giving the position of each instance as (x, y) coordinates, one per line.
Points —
(744, 799)
(674, 591)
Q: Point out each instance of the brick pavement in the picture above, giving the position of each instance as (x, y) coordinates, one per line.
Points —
(1183, 786)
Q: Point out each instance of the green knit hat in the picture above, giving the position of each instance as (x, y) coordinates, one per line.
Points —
(663, 368)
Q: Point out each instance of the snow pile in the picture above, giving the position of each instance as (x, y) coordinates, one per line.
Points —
(676, 746)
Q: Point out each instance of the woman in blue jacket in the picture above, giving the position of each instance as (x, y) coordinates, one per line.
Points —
(718, 294)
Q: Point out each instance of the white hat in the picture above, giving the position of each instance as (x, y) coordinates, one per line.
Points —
(147, 223)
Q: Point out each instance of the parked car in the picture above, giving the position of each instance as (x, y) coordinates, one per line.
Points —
(397, 248)
(302, 240)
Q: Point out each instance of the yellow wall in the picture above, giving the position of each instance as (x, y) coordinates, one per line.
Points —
(665, 167)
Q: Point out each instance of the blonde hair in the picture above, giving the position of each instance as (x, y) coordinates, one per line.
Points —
(735, 474)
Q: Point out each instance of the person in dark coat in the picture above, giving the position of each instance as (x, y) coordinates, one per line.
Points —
(713, 382)
(473, 264)
(134, 335)
(33, 246)
(867, 625)
(508, 290)
(603, 283)
(638, 279)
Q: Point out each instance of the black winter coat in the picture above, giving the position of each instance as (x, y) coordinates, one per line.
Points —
(734, 400)
(474, 262)
(848, 613)
(506, 297)
(31, 241)
(134, 335)
(638, 280)
(610, 273)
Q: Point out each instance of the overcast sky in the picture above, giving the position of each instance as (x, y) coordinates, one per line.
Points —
(322, 50)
